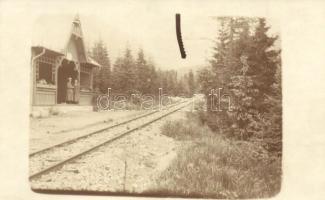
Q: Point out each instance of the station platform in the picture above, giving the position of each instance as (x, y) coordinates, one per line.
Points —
(45, 111)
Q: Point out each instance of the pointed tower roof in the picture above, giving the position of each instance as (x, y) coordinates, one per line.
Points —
(76, 37)
(62, 39)
(76, 27)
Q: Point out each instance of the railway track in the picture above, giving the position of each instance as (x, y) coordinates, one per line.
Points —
(54, 157)
(99, 130)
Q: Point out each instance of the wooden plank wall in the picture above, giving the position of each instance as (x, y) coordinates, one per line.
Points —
(45, 96)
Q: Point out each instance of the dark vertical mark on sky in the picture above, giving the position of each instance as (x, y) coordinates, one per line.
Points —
(179, 35)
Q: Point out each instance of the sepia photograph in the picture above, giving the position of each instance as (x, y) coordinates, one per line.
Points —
(114, 111)
(165, 99)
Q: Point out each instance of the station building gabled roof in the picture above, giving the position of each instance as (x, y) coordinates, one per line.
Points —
(57, 40)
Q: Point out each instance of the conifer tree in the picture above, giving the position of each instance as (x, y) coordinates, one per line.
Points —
(124, 74)
(191, 83)
(153, 79)
(263, 61)
(244, 116)
(102, 76)
(254, 87)
(143, 73)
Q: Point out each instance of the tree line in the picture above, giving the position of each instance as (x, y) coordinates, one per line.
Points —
(137, 75)
(246, 64)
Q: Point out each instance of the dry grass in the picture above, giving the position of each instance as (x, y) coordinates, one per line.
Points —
(216, 167)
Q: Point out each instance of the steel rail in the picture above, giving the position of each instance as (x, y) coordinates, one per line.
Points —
(60, 164)
(93, 133)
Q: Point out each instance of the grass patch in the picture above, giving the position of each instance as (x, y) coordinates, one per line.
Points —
(213, 166)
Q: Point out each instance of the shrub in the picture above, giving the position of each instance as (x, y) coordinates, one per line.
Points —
(214, 166)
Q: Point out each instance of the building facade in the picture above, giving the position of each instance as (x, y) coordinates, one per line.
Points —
(51, 70)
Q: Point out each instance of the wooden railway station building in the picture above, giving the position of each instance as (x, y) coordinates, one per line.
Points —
(51, 70)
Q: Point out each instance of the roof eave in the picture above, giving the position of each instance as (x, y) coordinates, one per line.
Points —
(47, 49)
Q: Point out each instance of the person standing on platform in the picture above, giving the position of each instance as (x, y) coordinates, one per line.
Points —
(69, 91)
(76, 91)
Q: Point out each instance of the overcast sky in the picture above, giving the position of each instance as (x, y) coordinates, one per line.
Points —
(146, 25)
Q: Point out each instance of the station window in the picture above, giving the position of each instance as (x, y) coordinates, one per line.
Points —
(85, 80)
(45, 75)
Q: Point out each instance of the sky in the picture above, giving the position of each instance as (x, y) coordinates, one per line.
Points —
(147, 25)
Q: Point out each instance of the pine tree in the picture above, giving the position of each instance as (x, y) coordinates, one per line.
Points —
(252, 92)
(154, 80)
(244, 117)
(219, 58)
(117, 76)
(102, 76)
(272, 135)
(164, 82)
(170, 81)
(143, 73)
(191, 83)
(124, 74)
(263, 61)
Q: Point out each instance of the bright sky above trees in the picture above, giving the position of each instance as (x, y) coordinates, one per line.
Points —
(150, 26)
